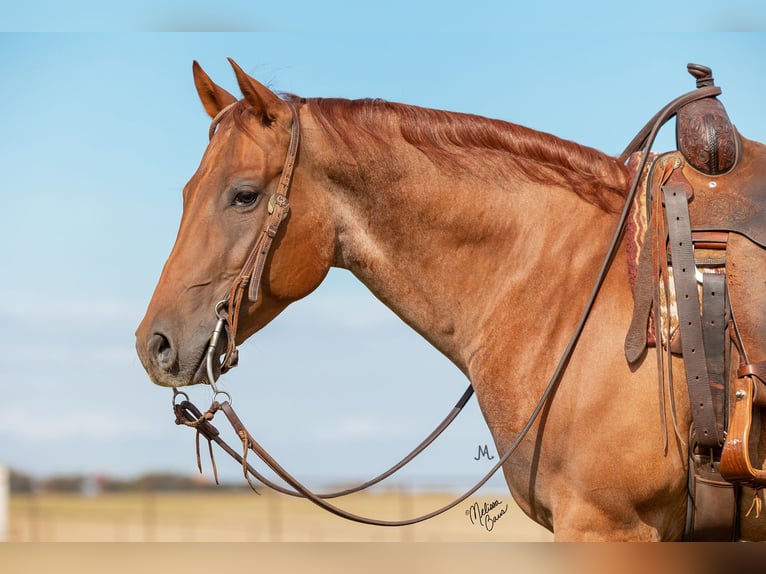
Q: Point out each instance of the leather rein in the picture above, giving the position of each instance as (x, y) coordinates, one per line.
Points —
(247, 284)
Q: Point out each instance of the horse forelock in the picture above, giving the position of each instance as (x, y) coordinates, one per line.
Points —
(237, 113)
(498, 147)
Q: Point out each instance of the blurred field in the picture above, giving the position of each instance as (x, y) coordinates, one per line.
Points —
(242, 516)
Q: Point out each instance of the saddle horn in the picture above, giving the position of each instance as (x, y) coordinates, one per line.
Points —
(704, 134)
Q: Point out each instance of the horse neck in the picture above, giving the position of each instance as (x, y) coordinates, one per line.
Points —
(459, 255)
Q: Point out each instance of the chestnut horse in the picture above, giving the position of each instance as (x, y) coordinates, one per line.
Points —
(483, 236)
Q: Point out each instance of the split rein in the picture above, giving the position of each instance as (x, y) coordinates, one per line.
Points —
(227, 312)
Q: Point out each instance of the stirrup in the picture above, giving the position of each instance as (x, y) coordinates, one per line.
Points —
(735, 459)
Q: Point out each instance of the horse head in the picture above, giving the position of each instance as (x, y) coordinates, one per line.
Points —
(225, 208)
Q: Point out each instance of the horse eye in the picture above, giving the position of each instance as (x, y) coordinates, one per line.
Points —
(245, 198)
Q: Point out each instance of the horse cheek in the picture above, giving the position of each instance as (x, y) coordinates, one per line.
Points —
(300, 261)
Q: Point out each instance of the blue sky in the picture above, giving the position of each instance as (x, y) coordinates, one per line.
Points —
(101, 130)
(424, 18)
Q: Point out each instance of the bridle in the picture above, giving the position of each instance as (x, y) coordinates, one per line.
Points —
(249, 277)
(247, 284)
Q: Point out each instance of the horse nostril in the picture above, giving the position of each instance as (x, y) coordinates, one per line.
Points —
(162, 351)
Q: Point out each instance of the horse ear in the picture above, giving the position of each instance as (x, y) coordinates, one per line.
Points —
(267, 105)
(214, 97)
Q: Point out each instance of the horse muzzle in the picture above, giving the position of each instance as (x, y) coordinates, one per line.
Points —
(171, 360)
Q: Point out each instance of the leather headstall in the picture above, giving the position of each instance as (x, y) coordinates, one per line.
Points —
(249, 277)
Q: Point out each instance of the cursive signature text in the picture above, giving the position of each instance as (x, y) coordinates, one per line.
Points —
(487, 514)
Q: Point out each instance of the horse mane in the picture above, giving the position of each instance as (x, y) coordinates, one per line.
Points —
(505, 148)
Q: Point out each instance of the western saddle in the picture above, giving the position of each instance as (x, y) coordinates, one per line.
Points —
(697, 243)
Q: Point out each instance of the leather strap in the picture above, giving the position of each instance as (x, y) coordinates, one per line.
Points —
(188, 414)
(754, 369)
(250, 275)
(643, 294)
(645, 137)
(695, 364)
(714, 303)
(757, 372)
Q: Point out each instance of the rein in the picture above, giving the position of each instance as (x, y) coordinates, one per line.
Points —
(227, 312)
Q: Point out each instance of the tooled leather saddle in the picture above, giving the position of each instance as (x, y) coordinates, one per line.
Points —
(698, 269)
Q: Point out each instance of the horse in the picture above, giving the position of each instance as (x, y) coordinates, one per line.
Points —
(484, 237)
